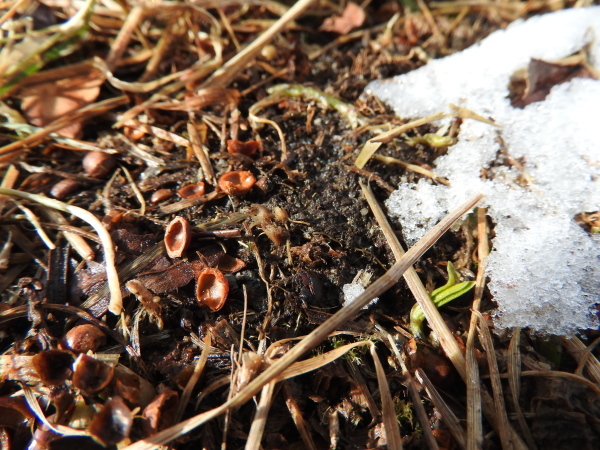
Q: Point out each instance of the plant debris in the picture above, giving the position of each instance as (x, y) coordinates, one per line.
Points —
(208, 166)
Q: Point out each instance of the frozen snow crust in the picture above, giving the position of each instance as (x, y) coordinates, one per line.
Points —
(544, 269)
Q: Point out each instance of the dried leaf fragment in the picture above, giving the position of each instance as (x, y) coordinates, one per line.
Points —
(352, 17)
(55, 93)
(160, 412)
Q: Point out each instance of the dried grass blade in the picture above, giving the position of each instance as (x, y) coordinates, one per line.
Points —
(436, 322)
(189, 387)
(84, 113)
(8, 182)
(116, 301)
(119, 45)
(260, 419)
(583, 356)
(514, 384)
(316, 362)
(225, 74)
(558, 374)
(33, 220)
(390, 423)
(388, 136)
(414, 396)
(297, 417)
(201, 153)
(474, 406)
(500, 408)
(316, 336)
(448, 416)
(76, 241)
(35, 407)
(413, 168)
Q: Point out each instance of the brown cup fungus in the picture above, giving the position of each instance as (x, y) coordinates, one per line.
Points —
(178, 237)
(53, 366)
(91, 375)
(237, 183)
(112, 423)
(161, 195)
(192, 190)
(211, 289)
(84, 338)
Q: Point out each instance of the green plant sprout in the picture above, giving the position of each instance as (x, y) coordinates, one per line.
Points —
(440, 297)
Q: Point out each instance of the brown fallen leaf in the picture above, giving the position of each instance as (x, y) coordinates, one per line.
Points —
(352, 17)
(55, 93)
(534, 84)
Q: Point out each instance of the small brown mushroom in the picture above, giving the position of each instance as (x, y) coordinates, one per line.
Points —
(245, 148)
(64, 188)
(53, 366)
(160, 195)
(91, 375)
(112, 424)
(237, 183)
(98, 164)
(211, 289)
(84, 338)
(178, 237)
(192, 190)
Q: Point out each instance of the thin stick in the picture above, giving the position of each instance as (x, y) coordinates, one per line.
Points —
(116, 301)
(318, 335)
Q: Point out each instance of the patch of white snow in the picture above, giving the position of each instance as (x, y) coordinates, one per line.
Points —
(544, 269)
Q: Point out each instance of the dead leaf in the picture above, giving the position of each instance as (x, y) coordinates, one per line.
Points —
(352, 17)
(535, 83)
(52, 94)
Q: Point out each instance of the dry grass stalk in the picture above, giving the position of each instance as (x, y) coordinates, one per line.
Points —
(116, 301)
(558, 374)
(201, 153)
(119, 45)
(76, 240)
(297, 417)
(448, 416)
(413, 168)
(189, 387)
(449, 345)
(514, 384)
(414, 397)
(231, 68)
(434, 318)
(474, 418)
(374, 143)
(584, 357)
(11, 150)
(388, 415)
(501, 418)
(260, 418)
(318, 335)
